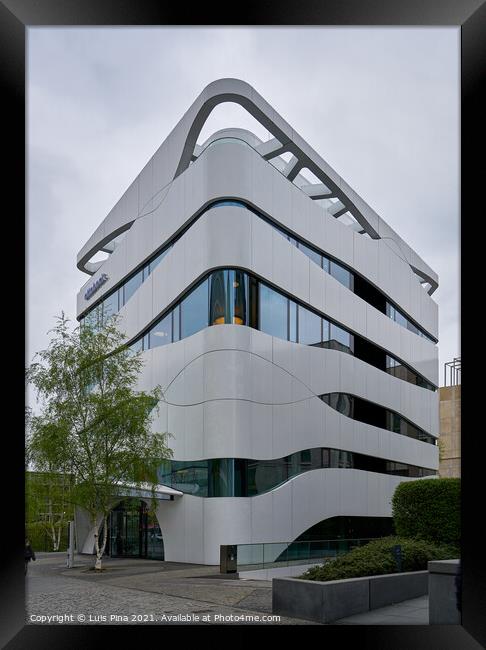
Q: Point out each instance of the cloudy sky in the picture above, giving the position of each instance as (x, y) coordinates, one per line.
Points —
(380, 105)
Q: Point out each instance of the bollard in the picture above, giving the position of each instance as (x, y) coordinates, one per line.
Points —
(70, 551)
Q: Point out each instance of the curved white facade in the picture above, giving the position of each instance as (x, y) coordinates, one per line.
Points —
(234, 392)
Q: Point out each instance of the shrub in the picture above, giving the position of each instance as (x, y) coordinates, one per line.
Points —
(376, 558)
(429, 509)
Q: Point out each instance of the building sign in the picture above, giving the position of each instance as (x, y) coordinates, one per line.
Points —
(95, 286)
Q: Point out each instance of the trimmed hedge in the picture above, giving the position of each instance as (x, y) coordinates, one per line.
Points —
(376, 558)
(429, 509)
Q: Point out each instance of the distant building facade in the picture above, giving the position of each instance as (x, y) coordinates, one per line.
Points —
(450, 422)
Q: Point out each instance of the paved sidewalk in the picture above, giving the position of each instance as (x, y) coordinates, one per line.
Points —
(409, 612)
(159, 590)
(143, 592)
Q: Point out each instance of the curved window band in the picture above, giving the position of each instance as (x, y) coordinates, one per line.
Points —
(242, 477)
(117, 298)
(367, 412)
(232, 296)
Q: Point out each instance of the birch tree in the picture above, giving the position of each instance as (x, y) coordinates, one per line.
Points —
(48, 502)
(93, 423)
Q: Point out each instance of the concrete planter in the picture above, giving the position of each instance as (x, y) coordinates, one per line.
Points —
(326, 602)
(442, 592)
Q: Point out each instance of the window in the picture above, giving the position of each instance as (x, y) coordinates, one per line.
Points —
(161, 332)
(326, 333)
(400, 318)
(137, 346)
(239, 293)
(411, 327)
(228, 298)
(218, 307)
(345, 404)
(156, 261)
(94, 318)
(241, 477)
(309, 327)
(340, 339)
(110, 306)
(341, 274)
(221, 477)
(131, 286)
(292, 322)
(341, 459)
(219, 204)
(311, 254)
(194, 310)
(273, 312)
(176, 323)
(341, 402)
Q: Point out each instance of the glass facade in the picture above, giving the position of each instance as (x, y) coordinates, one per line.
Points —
(378, 416)
(347, 278)
(134, 532)
(242, 477)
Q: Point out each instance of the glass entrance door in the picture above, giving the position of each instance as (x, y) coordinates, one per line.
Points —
(134, 532)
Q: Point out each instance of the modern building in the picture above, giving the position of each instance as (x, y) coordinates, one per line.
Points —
(450, 421)
(292, 331)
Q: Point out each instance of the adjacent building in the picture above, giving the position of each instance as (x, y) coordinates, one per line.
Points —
(292, 331)
(450, 421)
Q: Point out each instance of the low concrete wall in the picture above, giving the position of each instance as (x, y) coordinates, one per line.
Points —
(326, 602)
(442, 593)
(397, 587)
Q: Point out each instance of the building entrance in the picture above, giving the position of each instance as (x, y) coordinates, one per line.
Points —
(134, 532)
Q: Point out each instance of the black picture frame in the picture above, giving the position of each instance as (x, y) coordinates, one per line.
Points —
(15, 17)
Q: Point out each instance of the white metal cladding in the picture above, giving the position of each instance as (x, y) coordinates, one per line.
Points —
(270, 408)
(234, 392)
(229, 236)
(194, 527)
(174, 155)
(238, 171)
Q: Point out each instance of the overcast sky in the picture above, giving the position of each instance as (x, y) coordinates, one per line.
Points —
(380, 105)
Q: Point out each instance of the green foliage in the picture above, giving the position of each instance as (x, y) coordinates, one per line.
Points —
(94, 426)
(40, 538)
(376, 558)
(429, 509)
